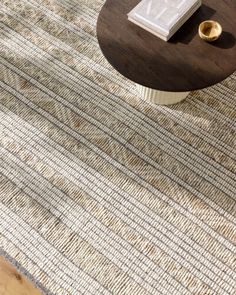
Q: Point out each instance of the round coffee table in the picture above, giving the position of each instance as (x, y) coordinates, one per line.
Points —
(165, 72)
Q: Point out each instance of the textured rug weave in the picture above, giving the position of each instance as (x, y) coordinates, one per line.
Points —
(100, 192)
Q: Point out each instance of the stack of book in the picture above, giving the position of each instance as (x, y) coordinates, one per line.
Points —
(163, 17)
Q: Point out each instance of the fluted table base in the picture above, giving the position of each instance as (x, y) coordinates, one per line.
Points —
(161, 97)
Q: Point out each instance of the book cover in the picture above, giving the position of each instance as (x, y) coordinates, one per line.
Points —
(163, 17)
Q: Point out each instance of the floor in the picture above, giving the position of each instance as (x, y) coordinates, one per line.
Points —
(11, 282)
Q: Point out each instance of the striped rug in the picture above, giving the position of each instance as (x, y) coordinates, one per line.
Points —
(102, 193)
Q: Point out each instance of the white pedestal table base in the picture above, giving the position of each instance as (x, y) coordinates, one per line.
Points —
(161, 97)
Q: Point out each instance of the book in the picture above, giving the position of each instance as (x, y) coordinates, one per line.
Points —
(163, 17)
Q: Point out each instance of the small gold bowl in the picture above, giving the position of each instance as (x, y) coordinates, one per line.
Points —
(210, 30)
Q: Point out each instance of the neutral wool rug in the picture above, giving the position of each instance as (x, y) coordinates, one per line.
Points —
(102, 193)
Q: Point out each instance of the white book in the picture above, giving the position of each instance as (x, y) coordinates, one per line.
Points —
(163, 17)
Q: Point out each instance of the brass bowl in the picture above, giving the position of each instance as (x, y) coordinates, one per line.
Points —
(210, 30)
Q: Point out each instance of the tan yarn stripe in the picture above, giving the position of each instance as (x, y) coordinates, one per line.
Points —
(219, 90)
(218, 107)
(91, 14)
(229, 120)
(82, 10)
(182, 120)
(63, 23)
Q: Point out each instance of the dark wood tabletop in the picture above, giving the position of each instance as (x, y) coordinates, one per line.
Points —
(184, 63)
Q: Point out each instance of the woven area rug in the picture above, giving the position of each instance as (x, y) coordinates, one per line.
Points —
(102, 193)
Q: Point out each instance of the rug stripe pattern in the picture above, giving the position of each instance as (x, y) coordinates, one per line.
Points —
(101, 192)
